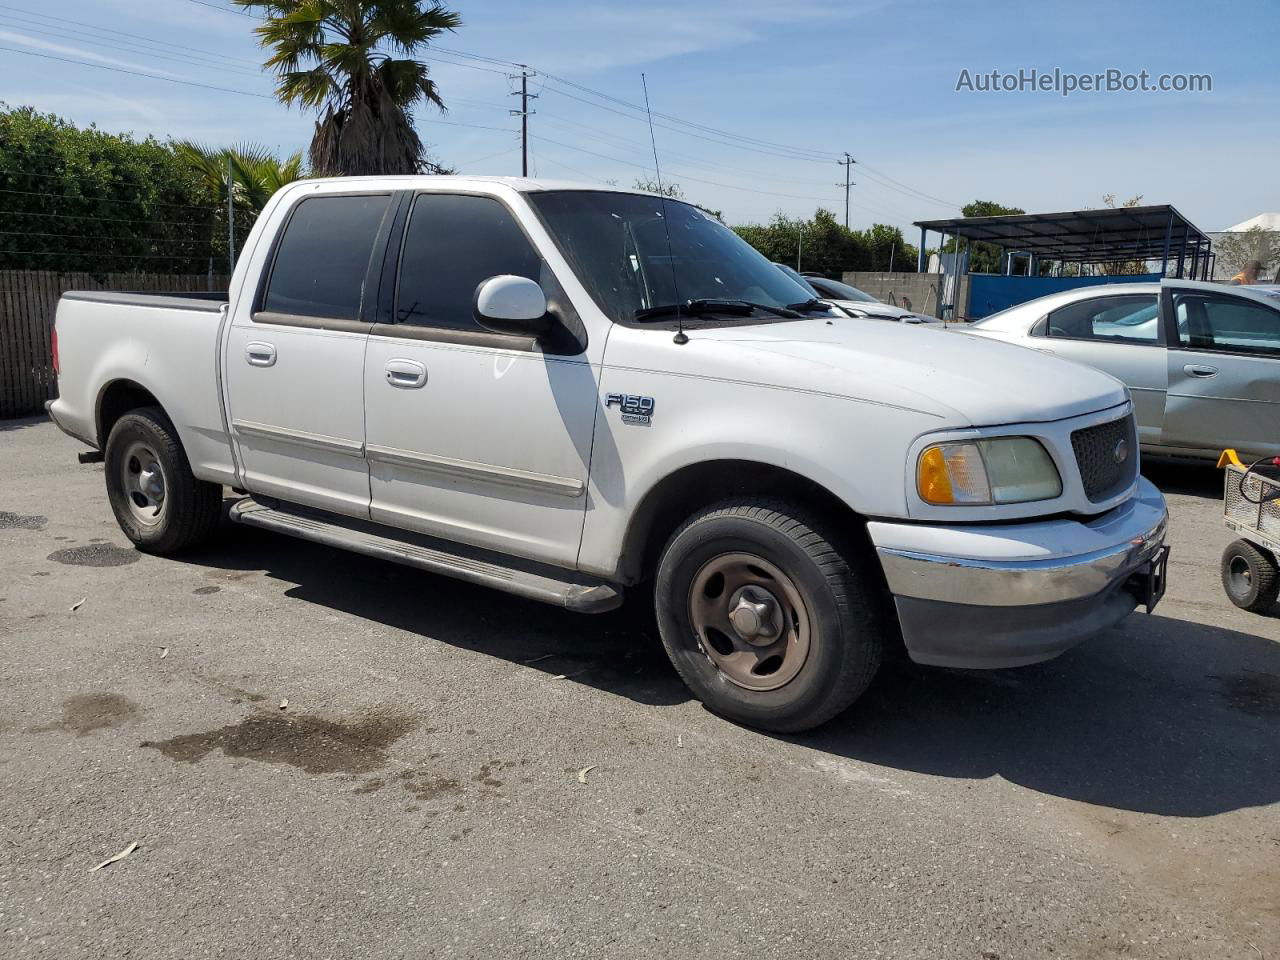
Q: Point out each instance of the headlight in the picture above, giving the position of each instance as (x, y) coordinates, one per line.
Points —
(978, 472)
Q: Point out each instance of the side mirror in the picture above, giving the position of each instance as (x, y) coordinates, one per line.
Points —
(511, 305)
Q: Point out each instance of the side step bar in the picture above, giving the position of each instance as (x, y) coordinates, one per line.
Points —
(531, 580)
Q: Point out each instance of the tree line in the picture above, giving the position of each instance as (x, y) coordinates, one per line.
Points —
(823, 244)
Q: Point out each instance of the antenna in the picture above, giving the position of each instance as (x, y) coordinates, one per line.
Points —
(680, 337)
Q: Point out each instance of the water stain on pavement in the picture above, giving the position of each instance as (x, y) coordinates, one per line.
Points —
(95, 555)
(426, 787)
(87, 712)
(1252, 692)
(19, 521)
(312, 744)
(205, 591)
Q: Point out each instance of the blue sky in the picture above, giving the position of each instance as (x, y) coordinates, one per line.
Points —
(874, 78)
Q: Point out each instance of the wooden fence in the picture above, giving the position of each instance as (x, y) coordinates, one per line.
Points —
(28, 299)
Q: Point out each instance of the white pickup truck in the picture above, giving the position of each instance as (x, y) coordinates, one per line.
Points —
(562, 392)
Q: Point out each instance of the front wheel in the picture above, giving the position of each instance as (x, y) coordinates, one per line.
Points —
(1250, 576)
(764, 619)
(158, 502)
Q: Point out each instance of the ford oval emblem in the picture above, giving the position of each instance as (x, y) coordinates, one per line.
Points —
(1121, 452)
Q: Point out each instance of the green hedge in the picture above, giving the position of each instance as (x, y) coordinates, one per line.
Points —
(76, 199)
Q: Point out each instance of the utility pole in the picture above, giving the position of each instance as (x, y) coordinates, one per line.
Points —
(523, 113)
(231, 219)
(847, 163)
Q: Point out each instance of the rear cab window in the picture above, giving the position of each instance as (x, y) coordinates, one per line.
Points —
(321, 261)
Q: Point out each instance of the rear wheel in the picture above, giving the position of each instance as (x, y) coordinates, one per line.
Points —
(1250, 576)
(764, 618)
(158, 502)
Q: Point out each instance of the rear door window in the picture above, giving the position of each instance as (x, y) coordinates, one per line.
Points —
(322, 259)
(1128, 318)
(1230, 324)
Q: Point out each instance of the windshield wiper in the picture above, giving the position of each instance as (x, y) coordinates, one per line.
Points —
(806, 306)
(709, 305)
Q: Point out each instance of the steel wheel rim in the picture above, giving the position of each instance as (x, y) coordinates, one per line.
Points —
(750, 621)
(1241, 575)
(144, 483)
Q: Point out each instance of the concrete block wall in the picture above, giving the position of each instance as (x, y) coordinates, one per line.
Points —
(920, 290)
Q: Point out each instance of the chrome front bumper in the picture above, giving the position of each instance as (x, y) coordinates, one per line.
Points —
(1003, 595)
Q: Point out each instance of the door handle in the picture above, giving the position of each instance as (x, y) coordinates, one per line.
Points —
(408, 374)
(260, 354)
(1201, 370)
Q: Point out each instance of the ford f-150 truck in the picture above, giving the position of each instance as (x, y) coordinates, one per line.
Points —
(564, 392)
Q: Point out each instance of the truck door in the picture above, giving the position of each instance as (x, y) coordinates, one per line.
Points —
(1224, 371)
(294, 357)
(474, 436)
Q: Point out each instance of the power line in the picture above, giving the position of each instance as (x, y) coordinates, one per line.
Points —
(97, 219)
(684, 176)
(63, 196)
(122, 33)
(219, 7)
(101, 255)
(484, 63)
(473, 126)
(99, 237)
(135, 42)
(117, 46)
(135, 73)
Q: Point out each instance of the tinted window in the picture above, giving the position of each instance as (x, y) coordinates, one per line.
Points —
(1129, 319)
(323, 256)
(453, 244)
(1213, 322)
(835, 290)
(803, 281)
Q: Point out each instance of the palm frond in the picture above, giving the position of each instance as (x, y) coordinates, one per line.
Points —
(354, 62)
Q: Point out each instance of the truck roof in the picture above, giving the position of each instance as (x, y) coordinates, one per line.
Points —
(520, 184)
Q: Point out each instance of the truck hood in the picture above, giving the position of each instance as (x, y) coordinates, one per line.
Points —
(964, 381)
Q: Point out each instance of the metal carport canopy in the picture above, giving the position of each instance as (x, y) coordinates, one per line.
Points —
(1111, 233)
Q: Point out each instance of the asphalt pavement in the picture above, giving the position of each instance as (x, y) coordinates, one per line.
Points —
(324, 755)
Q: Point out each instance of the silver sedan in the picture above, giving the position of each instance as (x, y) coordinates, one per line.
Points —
(1202, 360)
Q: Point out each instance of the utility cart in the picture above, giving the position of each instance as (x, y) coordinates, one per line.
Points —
(1251, 507)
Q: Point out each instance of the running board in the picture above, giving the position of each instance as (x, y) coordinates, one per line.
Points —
(530, 580)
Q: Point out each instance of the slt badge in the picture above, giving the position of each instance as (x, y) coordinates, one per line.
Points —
(635, 409)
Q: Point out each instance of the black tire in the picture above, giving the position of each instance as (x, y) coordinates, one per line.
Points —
(1250, 576)
(842, 608)
(189, 510)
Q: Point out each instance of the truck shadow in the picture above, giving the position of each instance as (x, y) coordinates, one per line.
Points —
(617, 652)
(1186, 477)
(1158, 716)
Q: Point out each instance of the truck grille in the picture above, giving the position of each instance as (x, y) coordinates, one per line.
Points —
(1104, 472)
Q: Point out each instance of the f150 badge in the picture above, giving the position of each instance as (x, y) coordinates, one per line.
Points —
(635, 409)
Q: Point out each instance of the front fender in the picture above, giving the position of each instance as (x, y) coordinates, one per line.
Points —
(855, 449)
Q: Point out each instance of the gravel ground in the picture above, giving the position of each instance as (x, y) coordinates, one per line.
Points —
(422, 794)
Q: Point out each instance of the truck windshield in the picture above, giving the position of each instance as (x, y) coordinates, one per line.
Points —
(617, 245)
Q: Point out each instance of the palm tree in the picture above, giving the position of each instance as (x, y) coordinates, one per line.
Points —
(256, 172)
(352, 60)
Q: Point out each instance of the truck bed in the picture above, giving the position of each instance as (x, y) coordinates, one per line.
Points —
(163, 343)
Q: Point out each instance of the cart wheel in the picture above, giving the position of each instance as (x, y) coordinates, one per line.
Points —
(1250, 576)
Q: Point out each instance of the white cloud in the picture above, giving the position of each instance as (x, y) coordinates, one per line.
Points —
(80, 53)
